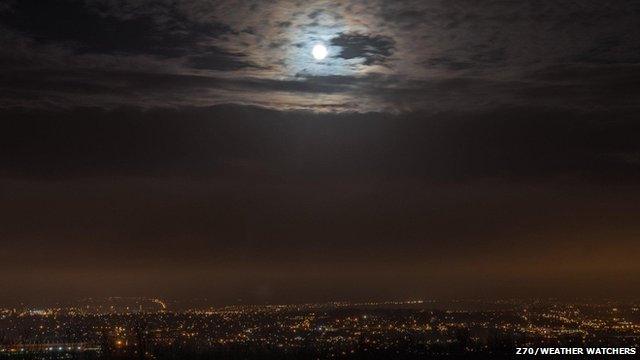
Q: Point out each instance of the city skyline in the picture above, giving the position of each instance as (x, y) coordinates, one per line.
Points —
(147, 328)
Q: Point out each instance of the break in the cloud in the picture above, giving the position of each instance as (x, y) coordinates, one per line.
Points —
(384, 55)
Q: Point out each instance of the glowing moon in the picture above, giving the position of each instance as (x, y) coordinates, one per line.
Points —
(319, 52)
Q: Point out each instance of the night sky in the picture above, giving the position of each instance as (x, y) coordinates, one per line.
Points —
(195, 148)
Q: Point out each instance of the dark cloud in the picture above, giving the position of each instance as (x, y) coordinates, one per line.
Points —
(85, 29)
(512, 143)
(246, 195)
(216, 59)
(373, 49)
(611, 49)
(481, 56)
(449, 63)
(569, 87)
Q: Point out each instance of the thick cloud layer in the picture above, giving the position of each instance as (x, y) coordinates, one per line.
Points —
(516, 143)
(237, 202)
(383, 55)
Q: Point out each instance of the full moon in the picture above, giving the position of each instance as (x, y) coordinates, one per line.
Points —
(319, 52)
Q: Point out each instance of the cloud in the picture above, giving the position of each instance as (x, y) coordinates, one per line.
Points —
(515, 143)
(384, 55)
(373, 49)
(216, 59)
